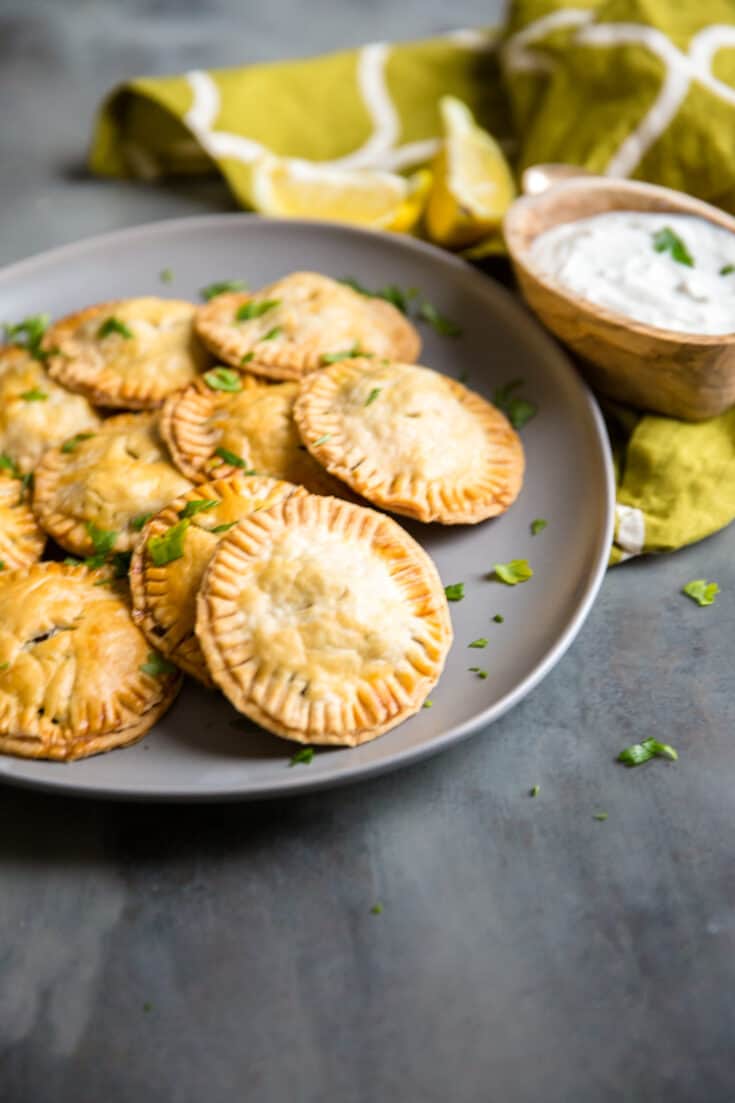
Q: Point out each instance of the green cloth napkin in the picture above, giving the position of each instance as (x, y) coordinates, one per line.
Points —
(638, 88)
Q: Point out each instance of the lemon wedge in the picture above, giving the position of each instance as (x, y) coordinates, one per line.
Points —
(305, 189)
(473, 185)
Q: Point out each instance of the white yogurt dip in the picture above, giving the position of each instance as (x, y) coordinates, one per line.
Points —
(612, 259)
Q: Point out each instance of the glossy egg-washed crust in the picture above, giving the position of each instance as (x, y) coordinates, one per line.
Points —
(411, 440)
(109, 480)
(255, 424)
(164, 597)
(315, 317)
(21, 540)
(135, 373)
(71, 683)
(323, 621)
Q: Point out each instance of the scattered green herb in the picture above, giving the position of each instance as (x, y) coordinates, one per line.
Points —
(600, 816)
(225, 527)
(377, 909)
(8, 464)
(166, 275)
(727, 269)
(26, 483)
(29, 333)
(498, 618)
(169, 545)
(538, 526)
(197, 505)
(157, 666)
(147, 1007)
(4, 666)
(701, 591)
(478, 671)
(223, 379)
(666, 241)
(138, 523)
(534, 790)
(114, 325)
(517, 570)
(482, 642)
(103, 540)
(220, 287)
(272, 333)
(302, 757)
(428, 704)
(322, 440)
(247, 358)
(255, 308)
(372, 396)
(70, 445)
(518, 410)
(445, 327)
(641, 752)
(454, 591)
(342, 354)
(34, 395)
(72, 561)
(234, 460)
(392, 293)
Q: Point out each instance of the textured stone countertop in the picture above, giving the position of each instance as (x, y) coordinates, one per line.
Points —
(525, 952)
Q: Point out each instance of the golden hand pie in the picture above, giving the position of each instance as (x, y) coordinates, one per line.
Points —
(164, 591)
(254, 424)
(411, 440)
(72, 666)
(21, 540)
(129, 354)
(323, 621)
(108, 483)
(298, 323)
(36, 413)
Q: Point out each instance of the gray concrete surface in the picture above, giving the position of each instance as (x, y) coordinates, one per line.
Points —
(525, 951)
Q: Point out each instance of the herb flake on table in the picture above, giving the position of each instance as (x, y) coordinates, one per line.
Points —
(34, 395)
(157, 666)
(197, 505)
(514, 572)
(454, 591)
(428, 703)
(538, 526)
(442, 325)
(303, 757)
(70, 444)
(600, 816)
(701, 591)
(638, 753)
(534, 790)
(478, 671)
(377, 909)
(255, 308)
(115, 325)
(169, 545)
(499, 618)
(666, 240)
(481, 642)
(166, 275)
(29, 333)
(518, 411)
(234, 460)
(727, 269)
(221, 287)
(223, 379)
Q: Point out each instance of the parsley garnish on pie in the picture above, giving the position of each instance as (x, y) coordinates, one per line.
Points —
(255, 308)
(157, 666)
(197, 505)
(169, 545)
(114, 325)
(220, 287)
(223, 379)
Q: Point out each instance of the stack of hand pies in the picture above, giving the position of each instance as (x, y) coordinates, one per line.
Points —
(210, 474)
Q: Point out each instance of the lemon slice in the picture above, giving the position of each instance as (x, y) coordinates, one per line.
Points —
(473, 184)
(304, 189)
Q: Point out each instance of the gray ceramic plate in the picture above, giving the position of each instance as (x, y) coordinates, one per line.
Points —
(203, 750)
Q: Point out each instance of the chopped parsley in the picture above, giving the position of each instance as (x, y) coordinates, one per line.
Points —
(147, 1006)
(666, 241)
(727, 269)
(70, 445)
(377, 909)
(641, 752)
(322, 440)
(701, 591)
(34, 395)
(428, 703)
(454, 591)
(220, 287)
(538, 526)
(169, 545)
(234, 460)
(223, 379)
(255, 308)
(534, 790)
(29, 334)
(157, 666)
(138, 523)
(2, 564)
(4, 666)
(8, 464)
(517, 570)
(302, 757)
(197, 505)
(225, 527)
(247, 358)
(518, 410)
(103, 540)
(600, 816)
(372, 396)
(166, 275)
(482, 642)
(272, 333)
(445, 327)
(392, 293)
(114, 325)
(498, 618)
(343, 354)
(478, 671)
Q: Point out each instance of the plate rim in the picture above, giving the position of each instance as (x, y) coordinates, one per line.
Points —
(300, 784)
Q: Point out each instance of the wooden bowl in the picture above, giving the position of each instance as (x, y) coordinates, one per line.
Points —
(680, 374)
